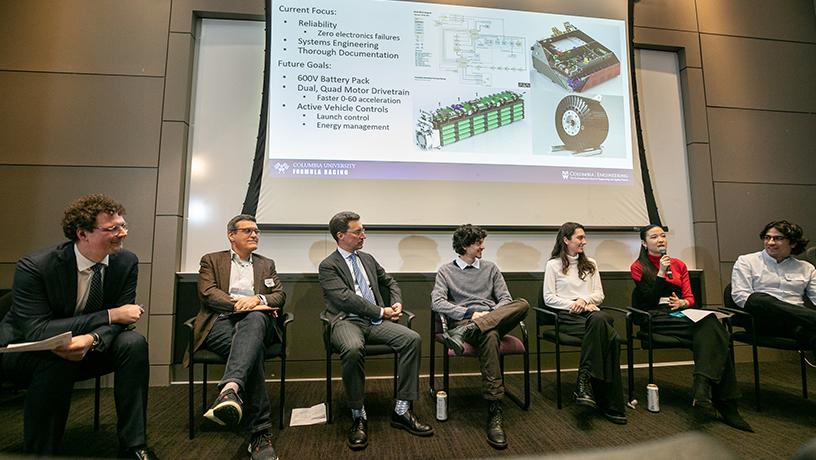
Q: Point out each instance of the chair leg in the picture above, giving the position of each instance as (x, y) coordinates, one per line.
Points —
(396, 373)
(282, 410)
(804, 374)
(432, 368)
(97, 389)
(558, 373)
(630, 358)
(756, 375)
(538, 355)
(526, 380)
(204, 389)
(328, 389)
(446, 373)
(190, 401)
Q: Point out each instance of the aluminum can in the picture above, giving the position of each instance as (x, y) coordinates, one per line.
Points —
(652, 398)
(441, 406)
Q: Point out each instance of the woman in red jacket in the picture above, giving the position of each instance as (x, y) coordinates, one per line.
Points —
(662, 286)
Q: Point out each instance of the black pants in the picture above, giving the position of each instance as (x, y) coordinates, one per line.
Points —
(711, 348)
(600, 354)
(50, 381)
(779, 318)
(494, 326)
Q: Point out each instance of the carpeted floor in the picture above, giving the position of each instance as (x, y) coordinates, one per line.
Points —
(786, 422)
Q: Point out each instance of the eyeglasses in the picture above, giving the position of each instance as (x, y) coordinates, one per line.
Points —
(248, 231)
(114, 229)
(774, 237)
(358, 232)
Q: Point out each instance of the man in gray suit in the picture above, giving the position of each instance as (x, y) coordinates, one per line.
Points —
(351, 281)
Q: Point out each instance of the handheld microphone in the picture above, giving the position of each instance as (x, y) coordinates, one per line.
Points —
(662, 251)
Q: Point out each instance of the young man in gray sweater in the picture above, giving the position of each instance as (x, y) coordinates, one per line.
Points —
(472, 294)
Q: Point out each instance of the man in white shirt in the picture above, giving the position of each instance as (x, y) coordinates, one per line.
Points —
(774, 286)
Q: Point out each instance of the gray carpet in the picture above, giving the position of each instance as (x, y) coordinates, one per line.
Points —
(786, 422)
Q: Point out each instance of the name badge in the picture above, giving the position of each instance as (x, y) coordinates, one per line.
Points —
(269, 282)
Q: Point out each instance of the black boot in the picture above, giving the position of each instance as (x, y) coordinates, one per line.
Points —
(455, 338)
(702, 391)
(583, 389)
(495, 430)
(731, 416)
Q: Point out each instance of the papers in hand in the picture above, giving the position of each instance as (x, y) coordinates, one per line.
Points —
(41, 345)
(696, 314)
(308, 415)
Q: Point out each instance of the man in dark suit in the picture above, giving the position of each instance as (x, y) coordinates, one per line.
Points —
(86, 286)
(351, 281)
(241, 296)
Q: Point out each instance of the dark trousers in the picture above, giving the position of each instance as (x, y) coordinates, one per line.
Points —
(242, 339)
(777, 317)
(50, 381)
(600, 354)
(495, 325)
(710, 345)
(349, 337)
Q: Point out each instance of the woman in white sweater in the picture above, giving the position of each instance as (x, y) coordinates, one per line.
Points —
(572, 285)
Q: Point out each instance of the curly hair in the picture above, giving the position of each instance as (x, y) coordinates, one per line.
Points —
(791, 231)
(83, 211)
(466, 235)
(559, 251)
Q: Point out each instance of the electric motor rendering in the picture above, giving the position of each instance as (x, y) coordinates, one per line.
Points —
(581, 122)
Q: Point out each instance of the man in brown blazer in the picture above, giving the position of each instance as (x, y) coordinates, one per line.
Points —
(241, 296)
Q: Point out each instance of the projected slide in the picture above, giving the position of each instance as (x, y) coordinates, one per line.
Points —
(385, 90)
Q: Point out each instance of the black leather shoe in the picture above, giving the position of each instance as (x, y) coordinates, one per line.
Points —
(409, 423)
(261, 446)
(226, 410)
(495, 426)
(615, 417)
(583, 390)
(731, 416)
(140, 453)
(702, 391)
(358, 434)
(455, 338)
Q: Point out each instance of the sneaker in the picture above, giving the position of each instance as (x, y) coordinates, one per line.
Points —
(226, 410)
(261, 446)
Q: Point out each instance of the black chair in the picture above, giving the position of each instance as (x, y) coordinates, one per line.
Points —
(5, 307)
(748, 335)
(206, 357)
(370, 350)
(546, 316)
(510, 345)
(649, 340)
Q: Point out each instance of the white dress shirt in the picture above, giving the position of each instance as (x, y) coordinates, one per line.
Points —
(347, 257)
(84, 271)
(789, 280)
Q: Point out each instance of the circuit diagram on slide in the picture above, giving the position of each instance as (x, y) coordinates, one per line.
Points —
(475, 48)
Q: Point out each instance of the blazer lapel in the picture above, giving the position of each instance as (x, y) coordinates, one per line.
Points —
(343, 269)
(222, 271)
(67, 275)
(258, 271)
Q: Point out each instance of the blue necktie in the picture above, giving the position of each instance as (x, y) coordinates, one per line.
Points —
(94, 302)
(365, 289)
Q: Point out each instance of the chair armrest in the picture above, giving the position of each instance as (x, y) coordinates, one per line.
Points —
(525, 337)
(619, 310)
(640, 312)
(553, 313)
(738, 312)
(444, 320)
(189, 323)
(409, 317)
(547, 311)
(287, 318)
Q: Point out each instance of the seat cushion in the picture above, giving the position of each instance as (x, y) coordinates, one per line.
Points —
(782, 343)
(549, 335)
(510, 345)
